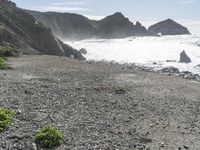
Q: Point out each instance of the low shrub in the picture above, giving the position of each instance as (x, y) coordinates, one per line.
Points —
(3, 64)
(6, 118)
(49, 137)
(119, 90)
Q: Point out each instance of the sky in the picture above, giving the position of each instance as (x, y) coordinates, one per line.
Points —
(148, 12)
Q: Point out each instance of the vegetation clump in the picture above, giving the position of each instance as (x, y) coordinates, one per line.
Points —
(119, 90)
(145, 139)
(49, 137)
(100, 88)
(3, 64)
(6, 118)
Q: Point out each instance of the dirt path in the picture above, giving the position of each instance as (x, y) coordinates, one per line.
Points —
(156, 112)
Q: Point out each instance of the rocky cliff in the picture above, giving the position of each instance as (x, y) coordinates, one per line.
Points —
(168, 27)
(22, 33)
(67, 25)
(77, 27)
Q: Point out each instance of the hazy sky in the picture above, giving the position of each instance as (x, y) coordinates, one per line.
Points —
(146, 11)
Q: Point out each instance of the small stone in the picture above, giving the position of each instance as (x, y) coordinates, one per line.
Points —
(34, 146)
(19, 111)
(151, 125)
(186, 147)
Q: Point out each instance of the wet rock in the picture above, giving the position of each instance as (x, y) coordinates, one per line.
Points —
(83, 51)
(184, 58)
(170, 70)
(168, 60)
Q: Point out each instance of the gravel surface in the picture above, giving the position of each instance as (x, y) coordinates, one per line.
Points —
(154, 112)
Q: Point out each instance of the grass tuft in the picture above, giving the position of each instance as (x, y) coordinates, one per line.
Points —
(119, 90)
(6, 118)
(3, 64)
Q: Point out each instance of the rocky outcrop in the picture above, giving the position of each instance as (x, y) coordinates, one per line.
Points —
(76, 27)
(21, 33)
(83, 51)
(168, 27)
(115, 26)
(184, 58)
(140, 30)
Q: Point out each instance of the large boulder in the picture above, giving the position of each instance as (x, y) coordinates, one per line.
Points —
(83, 51)
(184, 58)
(168, 27)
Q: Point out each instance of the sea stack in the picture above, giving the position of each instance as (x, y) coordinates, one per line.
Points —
(184, 58)
(168, 27)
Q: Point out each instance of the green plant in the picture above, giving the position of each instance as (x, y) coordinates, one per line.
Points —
(100, 88)
(119, 90)
(49, 137)
(3, 64)
(6, 118)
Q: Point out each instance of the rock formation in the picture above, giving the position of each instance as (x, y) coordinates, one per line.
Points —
(83, 51)
(76, 27)
(184, 58)
(168, 27)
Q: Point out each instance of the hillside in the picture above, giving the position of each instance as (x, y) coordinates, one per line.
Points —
(21, 33)
(69, 26)
(76, 27)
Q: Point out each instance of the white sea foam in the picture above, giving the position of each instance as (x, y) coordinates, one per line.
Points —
(145, 50)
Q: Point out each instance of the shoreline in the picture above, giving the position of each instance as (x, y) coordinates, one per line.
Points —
(170, 71)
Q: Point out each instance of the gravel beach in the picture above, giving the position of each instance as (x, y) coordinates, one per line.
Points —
(98, 106)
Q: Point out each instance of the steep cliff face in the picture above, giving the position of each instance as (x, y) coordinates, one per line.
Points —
(140, 30)
(21, 33)
(115, 26)
(77, 27)
(168, 27)
(67, 25)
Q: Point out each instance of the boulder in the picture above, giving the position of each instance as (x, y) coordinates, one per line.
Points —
(83, 51)
(184, 58)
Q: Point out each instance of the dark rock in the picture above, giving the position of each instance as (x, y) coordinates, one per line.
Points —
(189, 75)
(139, 30)
(168, 60)
(168, 27)
(184, 58)
(170, 70)
(83, 51)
